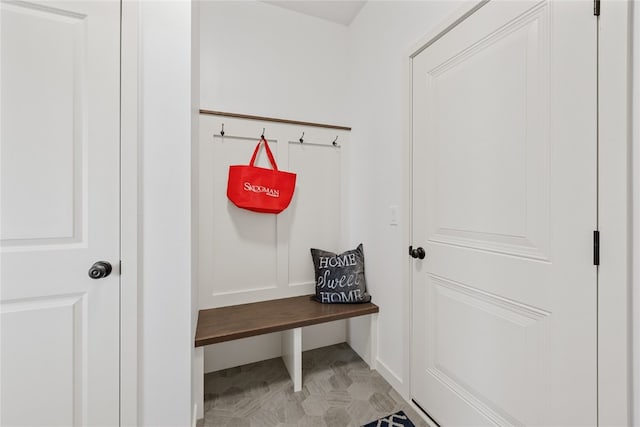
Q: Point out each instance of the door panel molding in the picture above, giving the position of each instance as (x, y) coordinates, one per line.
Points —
(52, 206)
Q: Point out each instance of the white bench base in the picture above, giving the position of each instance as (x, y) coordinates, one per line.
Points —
(291, 356)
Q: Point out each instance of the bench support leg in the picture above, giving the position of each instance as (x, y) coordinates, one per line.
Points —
(373, 340)
(292, 355)
(198, 379)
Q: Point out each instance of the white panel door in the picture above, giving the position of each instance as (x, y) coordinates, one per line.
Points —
(504, 190)
(60, 213)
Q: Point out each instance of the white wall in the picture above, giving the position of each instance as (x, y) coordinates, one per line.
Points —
(380, 40)
(166, 307)
(265, 60)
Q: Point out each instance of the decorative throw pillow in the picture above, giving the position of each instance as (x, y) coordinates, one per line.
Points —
(340, 277)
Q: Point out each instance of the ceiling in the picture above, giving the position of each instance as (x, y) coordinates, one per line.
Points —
(340, 12)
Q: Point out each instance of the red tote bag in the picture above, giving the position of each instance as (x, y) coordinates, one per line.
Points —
(260, 189)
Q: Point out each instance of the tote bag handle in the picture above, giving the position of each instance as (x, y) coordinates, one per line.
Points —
(269, 154)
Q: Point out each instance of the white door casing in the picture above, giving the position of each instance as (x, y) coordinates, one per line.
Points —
(60, 212)
(504, 203)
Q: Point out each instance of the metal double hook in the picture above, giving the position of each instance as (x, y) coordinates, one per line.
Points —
(334, 143)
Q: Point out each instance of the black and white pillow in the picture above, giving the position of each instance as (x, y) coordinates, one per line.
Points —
(340, 277)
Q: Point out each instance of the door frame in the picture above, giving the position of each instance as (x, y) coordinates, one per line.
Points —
(614, 205)
(130, 223)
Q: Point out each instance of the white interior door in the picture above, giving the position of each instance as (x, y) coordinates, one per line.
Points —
(504, 204)
(60, 212)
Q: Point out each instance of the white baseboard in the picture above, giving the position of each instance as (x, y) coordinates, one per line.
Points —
(399, 386)
(391, 377)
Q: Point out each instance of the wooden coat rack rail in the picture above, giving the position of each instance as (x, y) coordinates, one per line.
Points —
(273, 119)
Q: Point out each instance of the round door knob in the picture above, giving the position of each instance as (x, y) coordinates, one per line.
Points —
(417, 253)
(100, 269)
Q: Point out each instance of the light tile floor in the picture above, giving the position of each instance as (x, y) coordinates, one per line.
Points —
(338, 390)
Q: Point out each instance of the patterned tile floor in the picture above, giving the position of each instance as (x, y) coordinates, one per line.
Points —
(338, 390)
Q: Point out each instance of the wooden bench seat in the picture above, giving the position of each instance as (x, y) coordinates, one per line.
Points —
(246, 320)
(286, 315)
